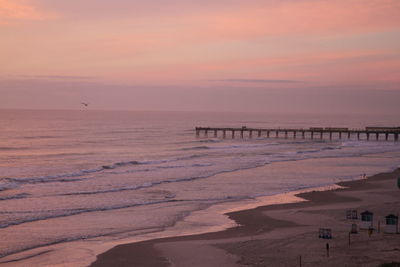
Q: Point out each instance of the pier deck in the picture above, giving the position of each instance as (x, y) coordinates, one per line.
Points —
(312, 132)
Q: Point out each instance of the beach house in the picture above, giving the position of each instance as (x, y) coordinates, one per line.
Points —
(392, 224)
(367, 219)
(351, 214)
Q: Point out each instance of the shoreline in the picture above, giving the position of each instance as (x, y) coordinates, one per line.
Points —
(225, 247)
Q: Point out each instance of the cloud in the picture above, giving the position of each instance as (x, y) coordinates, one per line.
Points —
(257, 81)
(311, 17)
(19, 10)
(265, 43)
(59, 77)
(225, 18)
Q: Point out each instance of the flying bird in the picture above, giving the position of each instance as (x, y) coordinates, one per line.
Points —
(85, 104)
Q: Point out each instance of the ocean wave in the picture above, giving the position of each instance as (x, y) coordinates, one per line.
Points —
(171, 167)
(159, 182)
(358, 143)
(120, 164)
(39, 137)
(373, 146)
(202, 164)
(56, 241)
(209, 141)
(17, 196)
(162, 167)
(161, 161)
(57, 155)
(74, 176)
(272, 157)
(69, 177)
(305, 141)
(193, 156)
(246, 146)
(7, 183)
(308, 151)
(195, 148)
(47, 179)
(96, 235)
(55, 178)
(317, 150)
(71, 212)
(198, 141)
(9, 148)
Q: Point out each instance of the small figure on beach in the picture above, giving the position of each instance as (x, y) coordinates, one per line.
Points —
(364, 176)
(327, 249)
(370, 231)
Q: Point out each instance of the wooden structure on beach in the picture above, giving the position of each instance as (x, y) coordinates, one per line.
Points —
(367, 220)
(351, 215)
(312, 132)
(392, 224)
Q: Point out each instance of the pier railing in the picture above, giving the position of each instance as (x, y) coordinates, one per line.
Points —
(312, 132)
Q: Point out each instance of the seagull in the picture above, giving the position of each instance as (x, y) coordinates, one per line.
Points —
(85, 104)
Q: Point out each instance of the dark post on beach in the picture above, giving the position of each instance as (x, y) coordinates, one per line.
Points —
(300, 261)
(349, 238)
(370, 231)
(327, 249)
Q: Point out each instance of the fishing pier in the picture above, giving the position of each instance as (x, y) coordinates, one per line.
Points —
(389, 133)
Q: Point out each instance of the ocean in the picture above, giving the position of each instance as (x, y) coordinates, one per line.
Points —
(75, 183)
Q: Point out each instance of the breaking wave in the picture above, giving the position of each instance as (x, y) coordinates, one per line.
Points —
(64, 213)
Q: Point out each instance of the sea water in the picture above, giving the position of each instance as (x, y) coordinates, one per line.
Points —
(111, 176)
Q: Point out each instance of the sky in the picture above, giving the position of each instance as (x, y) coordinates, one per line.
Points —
(323, 56)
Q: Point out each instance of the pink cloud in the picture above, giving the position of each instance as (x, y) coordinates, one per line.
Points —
(205, 40)
(247, 21)
(314, 69)
(303, 17)
(19, 10)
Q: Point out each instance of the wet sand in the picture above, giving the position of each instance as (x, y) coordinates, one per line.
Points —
(284, 234)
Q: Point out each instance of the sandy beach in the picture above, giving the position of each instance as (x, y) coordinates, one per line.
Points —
(285, 234)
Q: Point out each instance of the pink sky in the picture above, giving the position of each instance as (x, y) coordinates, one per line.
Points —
(59, 52)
